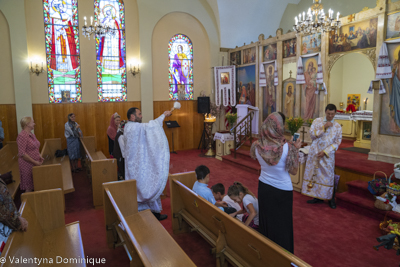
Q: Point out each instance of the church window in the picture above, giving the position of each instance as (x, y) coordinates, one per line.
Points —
(180, 50)
(110, 51)
(62, 50)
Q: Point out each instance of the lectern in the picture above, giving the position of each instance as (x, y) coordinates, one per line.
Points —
(172, 125)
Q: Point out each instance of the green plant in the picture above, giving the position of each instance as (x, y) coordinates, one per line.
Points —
(309, 122)
(231, 117)
(294, 124)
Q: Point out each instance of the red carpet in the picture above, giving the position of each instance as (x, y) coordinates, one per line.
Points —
(359, 162)
(323, 237)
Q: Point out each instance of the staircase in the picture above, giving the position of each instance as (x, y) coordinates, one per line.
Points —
(359, 199)
(243, 158)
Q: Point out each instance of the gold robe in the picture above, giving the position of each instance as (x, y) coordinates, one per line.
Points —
(320, 172)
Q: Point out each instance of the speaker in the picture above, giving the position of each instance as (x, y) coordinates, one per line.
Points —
(203, 105)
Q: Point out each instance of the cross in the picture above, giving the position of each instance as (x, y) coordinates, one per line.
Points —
(303, 132)
(290, 72)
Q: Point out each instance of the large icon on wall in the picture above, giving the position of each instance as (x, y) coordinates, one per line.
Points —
(309, 94)
(289, 48)
(393, 26)
(270, 52)
(269, 99)
(289, 97)
(246, 85)
(249, 55)
(390, 106)
(354, 37)
(311, 44)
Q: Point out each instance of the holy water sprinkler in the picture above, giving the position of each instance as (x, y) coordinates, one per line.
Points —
(177, 105)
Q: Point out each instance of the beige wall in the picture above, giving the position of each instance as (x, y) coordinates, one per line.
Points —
(168, 26)
(6, 73)
(351, 74)
(36, 48)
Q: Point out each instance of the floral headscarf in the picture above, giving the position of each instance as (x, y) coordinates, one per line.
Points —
(270, 145)
(112, 129)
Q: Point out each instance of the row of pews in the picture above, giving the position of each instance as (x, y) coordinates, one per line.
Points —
(145, 240)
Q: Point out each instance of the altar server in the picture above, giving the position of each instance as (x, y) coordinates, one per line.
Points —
(318, 181)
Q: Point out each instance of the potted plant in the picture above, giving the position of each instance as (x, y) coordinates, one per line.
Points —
(231, 117)
(397, 170)
(294, 124)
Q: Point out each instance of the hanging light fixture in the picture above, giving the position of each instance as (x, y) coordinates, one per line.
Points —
(316, 20)
(97, 29)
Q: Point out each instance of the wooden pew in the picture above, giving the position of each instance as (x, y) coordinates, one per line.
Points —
(231, 239)
(99, 169)
(145, 240)
(54, 172)
(9, 162)
(47, 236)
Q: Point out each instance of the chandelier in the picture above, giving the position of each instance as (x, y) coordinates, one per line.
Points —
(99, 30)
(316, 20)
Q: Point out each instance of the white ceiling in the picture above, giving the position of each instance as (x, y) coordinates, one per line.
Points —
(242, 21)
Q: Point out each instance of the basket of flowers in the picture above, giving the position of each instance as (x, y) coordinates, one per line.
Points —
(393, 188)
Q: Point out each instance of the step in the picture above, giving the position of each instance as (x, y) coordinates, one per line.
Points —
(364, 206)
(241, 153)
(247, 164)
(359, 188)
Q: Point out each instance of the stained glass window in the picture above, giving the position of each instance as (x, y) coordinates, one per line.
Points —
(62, 50)
(110, 51)
(180, 51)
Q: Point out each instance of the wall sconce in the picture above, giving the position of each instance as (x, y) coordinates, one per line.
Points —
(134, 71)
(36, 70)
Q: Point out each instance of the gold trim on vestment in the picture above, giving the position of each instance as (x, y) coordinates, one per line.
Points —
(316, 197)
(319, 183)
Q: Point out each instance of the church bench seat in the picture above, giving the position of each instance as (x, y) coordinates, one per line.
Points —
(231, 239)
(54, 172)
(99, 169)
(145, 240)
(47, 235)
(9, 162)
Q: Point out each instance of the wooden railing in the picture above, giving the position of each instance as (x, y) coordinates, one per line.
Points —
(242, 132)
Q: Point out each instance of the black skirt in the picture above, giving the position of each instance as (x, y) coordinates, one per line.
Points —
(275, 212)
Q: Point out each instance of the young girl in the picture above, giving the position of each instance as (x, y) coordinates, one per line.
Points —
(240, 193)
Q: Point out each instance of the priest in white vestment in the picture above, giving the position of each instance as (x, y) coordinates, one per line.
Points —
(318, 180)
(147, 159)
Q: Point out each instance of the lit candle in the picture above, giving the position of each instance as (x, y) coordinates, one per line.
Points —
(295, 20)
(91, 20)
(337, 17)
(84, 18)
(299, 17)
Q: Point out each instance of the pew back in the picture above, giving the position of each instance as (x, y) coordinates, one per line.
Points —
(241, 245)
(47, 235)
(9, 162)
(100, 169)
(145, 239)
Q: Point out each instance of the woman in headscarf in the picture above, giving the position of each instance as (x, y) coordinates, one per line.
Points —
(112, 132)
(277, 158)
(73, 132)
(119, 150)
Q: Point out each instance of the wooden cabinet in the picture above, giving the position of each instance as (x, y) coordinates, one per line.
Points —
(349, 128)
(297, 180)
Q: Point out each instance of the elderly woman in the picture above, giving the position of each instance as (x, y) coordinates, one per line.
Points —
(73, 133)
(28, 153)
(112, 132)
(277, 158)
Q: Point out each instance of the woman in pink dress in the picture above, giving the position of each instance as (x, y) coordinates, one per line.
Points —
(28, 153)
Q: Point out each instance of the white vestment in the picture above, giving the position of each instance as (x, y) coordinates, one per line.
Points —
(147, 161)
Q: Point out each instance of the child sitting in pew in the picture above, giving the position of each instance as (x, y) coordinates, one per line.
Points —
(200, 186)
(218, 191)
(241, 194)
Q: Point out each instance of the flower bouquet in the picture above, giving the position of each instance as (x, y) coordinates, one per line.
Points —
(309, 122)
(231, 117)
(294, 124)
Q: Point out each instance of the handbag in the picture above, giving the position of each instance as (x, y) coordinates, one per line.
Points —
(7, 177)
(378, 185)
(61, 153)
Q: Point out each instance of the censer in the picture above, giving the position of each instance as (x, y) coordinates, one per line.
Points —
(312, 181)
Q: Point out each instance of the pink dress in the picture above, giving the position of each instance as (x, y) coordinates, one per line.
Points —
(27, 144)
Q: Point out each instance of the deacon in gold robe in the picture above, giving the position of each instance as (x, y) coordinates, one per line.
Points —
(326, 135)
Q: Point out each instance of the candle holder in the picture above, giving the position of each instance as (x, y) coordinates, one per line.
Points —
(36, 70)
(210, 152)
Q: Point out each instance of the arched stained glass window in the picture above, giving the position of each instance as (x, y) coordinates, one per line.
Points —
(180, 50)
(62, 50)
(110, 51)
